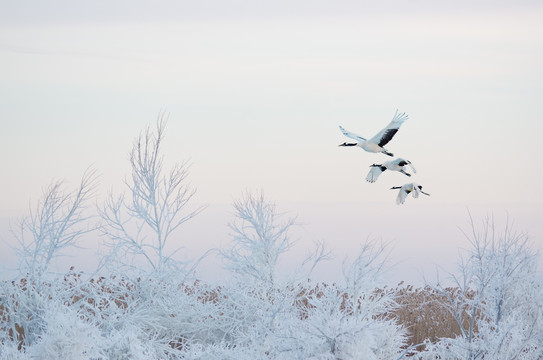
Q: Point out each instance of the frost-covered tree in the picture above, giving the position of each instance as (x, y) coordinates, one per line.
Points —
(498, 303)
(260, 295)
(259, 237)
(57, 223)
(278, 317)
(140, 225)
(165, 314)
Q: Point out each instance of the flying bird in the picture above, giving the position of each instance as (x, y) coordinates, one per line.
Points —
(376, 143)
(398, 164)
(406, 189)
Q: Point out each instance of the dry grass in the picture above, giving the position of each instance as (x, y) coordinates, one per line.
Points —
(422, 315)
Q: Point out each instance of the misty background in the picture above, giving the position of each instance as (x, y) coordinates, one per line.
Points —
(255, 93)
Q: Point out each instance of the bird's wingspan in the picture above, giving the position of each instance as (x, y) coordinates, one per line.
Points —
(351, 135)
(402, 195)
(384, 136)
(374, 173)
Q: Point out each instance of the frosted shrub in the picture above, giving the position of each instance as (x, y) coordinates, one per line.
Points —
(67, 335)
(141, 318)
(10, 351)
(347, 321)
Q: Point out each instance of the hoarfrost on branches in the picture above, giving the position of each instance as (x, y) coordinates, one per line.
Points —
(57, 223)
(140, 226)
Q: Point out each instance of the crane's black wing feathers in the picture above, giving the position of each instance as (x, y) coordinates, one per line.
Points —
(387, 136)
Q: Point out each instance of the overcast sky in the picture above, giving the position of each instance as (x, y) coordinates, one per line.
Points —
(255, 92)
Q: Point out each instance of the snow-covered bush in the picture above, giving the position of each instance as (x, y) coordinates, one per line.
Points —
(149, 318)
(67, 334)
(350, 320)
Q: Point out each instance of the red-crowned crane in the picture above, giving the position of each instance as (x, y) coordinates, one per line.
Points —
(406, 189)
(398, 164)
(376, 143)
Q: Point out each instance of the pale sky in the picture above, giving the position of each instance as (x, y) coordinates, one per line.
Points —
(255, 93)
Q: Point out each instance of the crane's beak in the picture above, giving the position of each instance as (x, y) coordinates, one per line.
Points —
(347, 144)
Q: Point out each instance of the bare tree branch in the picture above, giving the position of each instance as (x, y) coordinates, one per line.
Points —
(54, 225)
(155, 208)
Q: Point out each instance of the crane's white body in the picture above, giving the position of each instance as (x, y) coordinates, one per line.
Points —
(406, 189)
(371, 147)
(376, 144)
(398, 164)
